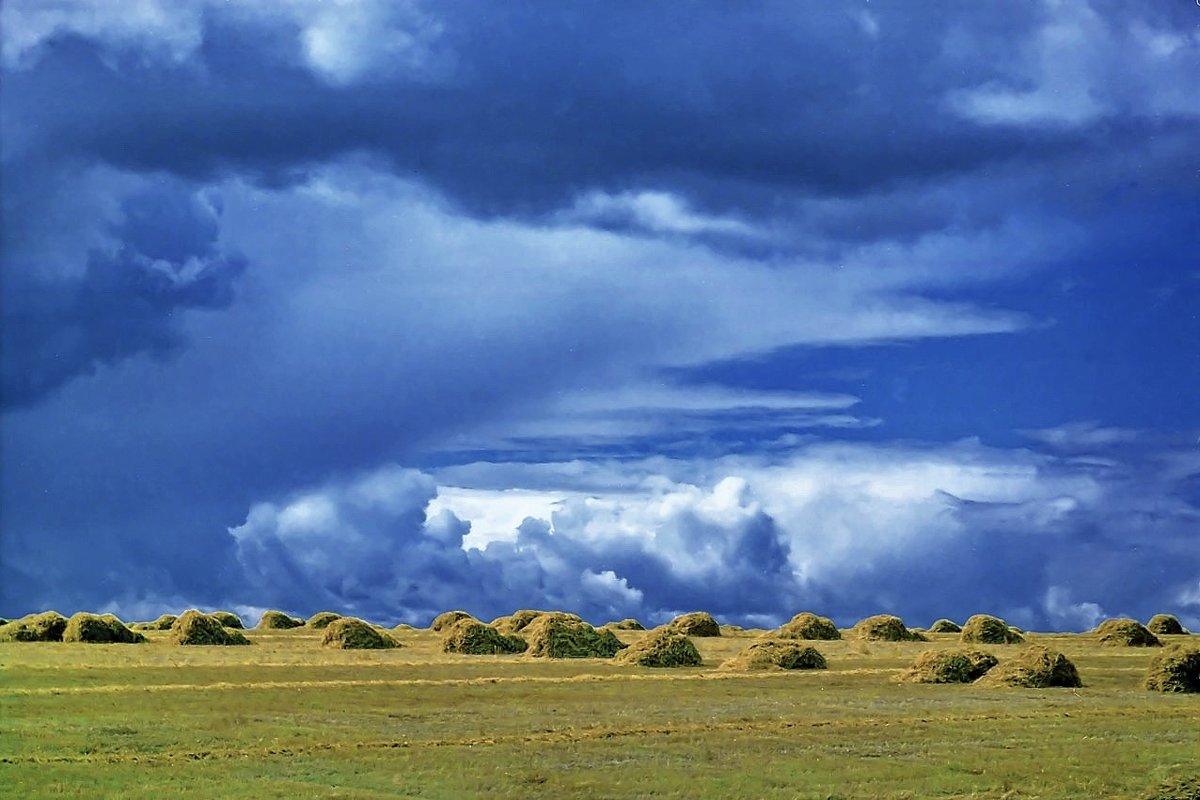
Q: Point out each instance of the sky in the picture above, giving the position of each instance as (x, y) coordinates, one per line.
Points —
(627, 309)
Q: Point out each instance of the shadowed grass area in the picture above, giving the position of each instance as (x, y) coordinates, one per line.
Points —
(291, 718)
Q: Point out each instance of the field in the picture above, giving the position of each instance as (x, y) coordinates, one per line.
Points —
(288, 718)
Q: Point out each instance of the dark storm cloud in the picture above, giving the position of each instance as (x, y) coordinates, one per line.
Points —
(164, 259)
(733, 107)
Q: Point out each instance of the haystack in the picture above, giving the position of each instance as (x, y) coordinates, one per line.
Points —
(625, 625)
(519, 620)
(1125, 633)
(278, 621)
(100, 629)
(446, 620)
(807, 625)
(472, 637)
(228, 619)
(945, 626)
(48, 626)
(885, 628)
(1176, 669)
(663, 648)
(193, 627)
(1034, 668)
(984, 629)
(560, 636)
(321, 620)
(1178, 788)
(698, 623)
(776, 654)
(949, 666)
(351, 633)
(1165, 625)
(163, 623)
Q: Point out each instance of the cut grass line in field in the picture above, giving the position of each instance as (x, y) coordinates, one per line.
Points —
(44, 691)
(570, 735)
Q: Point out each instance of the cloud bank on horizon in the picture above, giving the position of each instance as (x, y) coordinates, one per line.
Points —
(396, 307)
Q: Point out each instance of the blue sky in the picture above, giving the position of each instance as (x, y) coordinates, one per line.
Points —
(395, 307)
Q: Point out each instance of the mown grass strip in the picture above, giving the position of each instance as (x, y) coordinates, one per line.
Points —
(566, 735)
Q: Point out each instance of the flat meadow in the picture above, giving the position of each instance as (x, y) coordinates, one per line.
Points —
(286, 717)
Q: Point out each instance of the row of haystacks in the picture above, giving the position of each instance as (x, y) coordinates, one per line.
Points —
(1034, 667)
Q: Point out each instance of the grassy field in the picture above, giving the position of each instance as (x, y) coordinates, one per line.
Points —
(288, 718)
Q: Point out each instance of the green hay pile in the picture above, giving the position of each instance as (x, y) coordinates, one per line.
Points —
(99, 629)
(776, 654)
(228, 619)
(47, 626)
(278, 621)
(163, 623)
(446, 620)
(321, 620)
(1034, 668)
(983, 629)
(944, 626)
(885, 628)
(351, 633)
(663, 648)
(1176, 669)
(195, 628)
(471, 637)
(1165, 625)
(698, 623)
(949, 666)
(560, 636)
(1186, 788)
(519, 620)
(1125, 633)
(625, 625)
(807, 625)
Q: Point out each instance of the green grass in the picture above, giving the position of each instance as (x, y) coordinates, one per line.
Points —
(289, 718)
